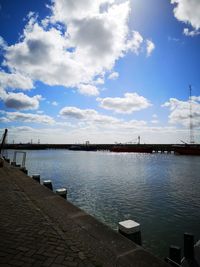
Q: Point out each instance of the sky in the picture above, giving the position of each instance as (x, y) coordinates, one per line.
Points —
(102, 71)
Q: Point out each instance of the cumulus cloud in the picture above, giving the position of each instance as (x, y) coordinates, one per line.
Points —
(113, 76)
(28, 117)
(134, 43)
(88, 89)
(89, 115)
(47, 55)
(128, 104)
(188, 12)
(15, 81)
(150, 46)
(21, 101)
(91, 37)
(180, 111)
(92, 118)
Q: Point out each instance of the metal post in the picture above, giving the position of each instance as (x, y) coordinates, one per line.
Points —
(36, 177)
(24, 170)
(48, 184)
(175, 254)
(188, 245)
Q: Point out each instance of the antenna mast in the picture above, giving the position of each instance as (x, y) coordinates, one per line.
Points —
(191, 117)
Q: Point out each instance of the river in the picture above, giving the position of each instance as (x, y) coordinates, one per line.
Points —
(160, 191)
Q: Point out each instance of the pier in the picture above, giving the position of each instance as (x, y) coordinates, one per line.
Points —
(41, 228)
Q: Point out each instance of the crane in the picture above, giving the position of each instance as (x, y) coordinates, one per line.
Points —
(191, 116)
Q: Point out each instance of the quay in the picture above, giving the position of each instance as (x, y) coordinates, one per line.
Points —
(187, 149)
(40, 228)
(162, 148)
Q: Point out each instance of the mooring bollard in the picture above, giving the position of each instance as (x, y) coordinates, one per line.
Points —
(24, 170)
(36, 177)
(131, 230)
(62, 192)
(18, 165)
(48, 184)
(175, 254)
(188, 245)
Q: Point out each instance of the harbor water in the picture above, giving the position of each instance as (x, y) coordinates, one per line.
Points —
(160, 191)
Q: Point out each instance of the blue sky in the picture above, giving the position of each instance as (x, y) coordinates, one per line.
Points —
(104, 71)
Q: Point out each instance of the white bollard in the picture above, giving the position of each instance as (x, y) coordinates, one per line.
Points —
(131, 230)
(62, 192)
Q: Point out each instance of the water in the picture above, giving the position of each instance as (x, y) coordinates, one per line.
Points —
(160, 191)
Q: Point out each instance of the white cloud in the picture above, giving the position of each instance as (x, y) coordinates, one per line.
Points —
(21, 101)
(88, 89)
(173, 39)
(91, 119)
(99, 80)
(40, 111)
(15, 81)
(113, 76)
(54, 103)
(180, 111)
(66, 11)
(128, 104)
(3, 93)
(45, 55)
(150, 46)
(155, 121)
(3, 44)
(134, 43)
(4, 120)
(94, 36)
(193, 33)
(188, 12)
(74, 112)
(89, 115)
(28, 117)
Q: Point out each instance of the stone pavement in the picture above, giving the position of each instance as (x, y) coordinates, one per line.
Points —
(39, 228)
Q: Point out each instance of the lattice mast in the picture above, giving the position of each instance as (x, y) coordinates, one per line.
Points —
(191, 116)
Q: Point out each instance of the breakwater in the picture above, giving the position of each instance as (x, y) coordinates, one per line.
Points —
(154, 147)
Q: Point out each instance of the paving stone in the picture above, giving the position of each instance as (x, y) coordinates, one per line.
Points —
(81, 255)
(59, 259)
(34, 233)
(48, 262)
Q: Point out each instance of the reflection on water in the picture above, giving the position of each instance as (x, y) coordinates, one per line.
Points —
(161, 192)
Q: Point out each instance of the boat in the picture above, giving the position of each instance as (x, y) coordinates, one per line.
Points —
(187, 149)
(132, 148)
(83, 148)
(124, 148)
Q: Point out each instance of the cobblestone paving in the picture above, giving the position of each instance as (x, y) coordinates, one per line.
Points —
(29, 238)
(39, 228)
